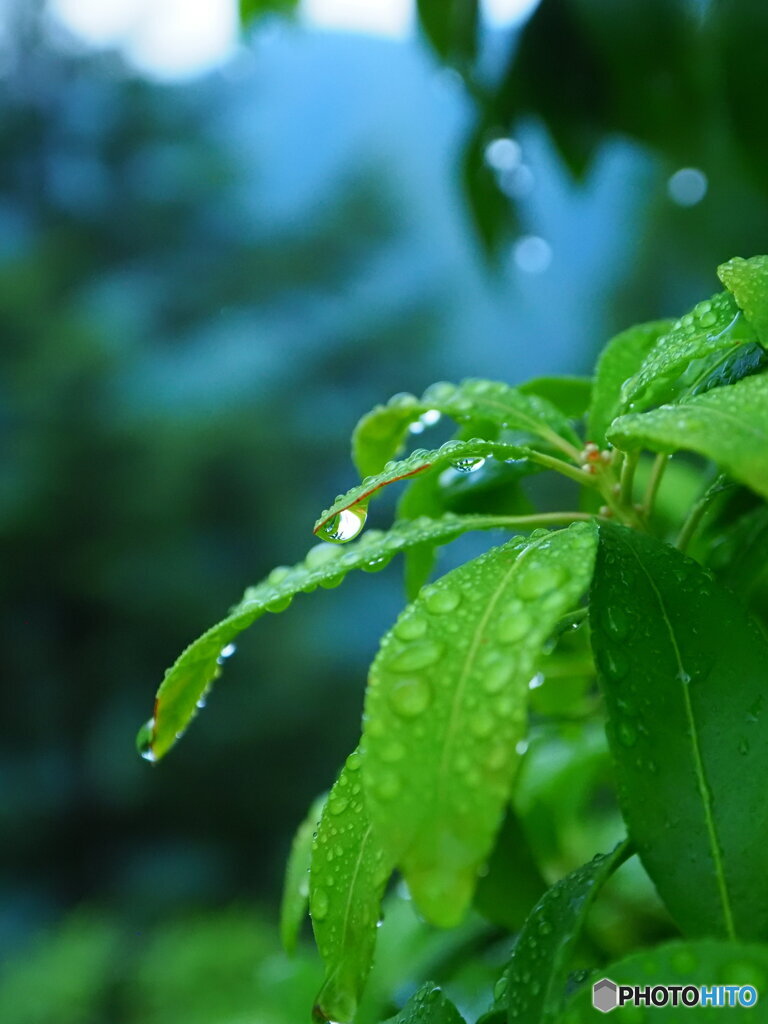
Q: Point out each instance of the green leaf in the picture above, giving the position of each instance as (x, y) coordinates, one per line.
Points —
(747, 280)
(703, 962)
(428, 1006)
(252, 9)
(742, 362)
(682, 668)
(446, 706)
(620, 359)
(512, 881)
(451, 27)
(728, 425)
(293, 907)
(349, 873)
(535, 979)
(187, 682)
(380, 435)
(714, 325)
(346, 516)
(571, 395)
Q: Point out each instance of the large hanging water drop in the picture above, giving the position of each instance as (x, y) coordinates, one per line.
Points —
(468, 465)
(345, 525)
(144, 740)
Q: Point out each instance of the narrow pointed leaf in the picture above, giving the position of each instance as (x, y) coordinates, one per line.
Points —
(728, 425)
(446, 706)
(743, 361)
(714, 325)
(512, 881)
(428, 1006)
(349, 873)
(571, 395)
(380, 435)
(702, 962)
(326, 565)
(541, 959)
(682, 668)
(747, 280)
(620, 359)
(346, 516)
(293, 908)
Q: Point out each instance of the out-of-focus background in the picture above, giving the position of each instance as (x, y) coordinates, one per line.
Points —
(218, 247)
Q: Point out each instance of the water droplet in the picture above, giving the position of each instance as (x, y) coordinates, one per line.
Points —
(337, 804)
(536, 681)
(439, 393)
(388, 786)
(410, 698)
(410, 627)
(319, 904)
(353, 761)
(392, 752)
(441, 600)
(743, 745)
(627, 732)
(615, 663)
(513, 627)
(279, 573)
(521, 747)
(537, 581)
(468, 465)
(500, 988)
(481, 724)
(144, 740)
(345, 525)
(497, 677)
(226, 652)
(416, 656)
(754, 710)
(497, 757)
(683, 677)
(616, 621)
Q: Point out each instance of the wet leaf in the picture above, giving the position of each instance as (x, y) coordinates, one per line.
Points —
(619, 360)
(381, 434)
(512, 881)
(293, 908)
(682, 668)
(742, 362)
(703, 962)
(349, 873)
(451, 27)
(714, 325)
(728, 425)
(346, 516)
(188, 680)
(747, 280)
(428, 1006)
(571, 395)
(446, 706)
(535, 979)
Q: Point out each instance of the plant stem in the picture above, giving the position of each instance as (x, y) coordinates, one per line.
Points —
(628, 478)
(660, 464)
(544, 519)
(550, 462)
(696, 514)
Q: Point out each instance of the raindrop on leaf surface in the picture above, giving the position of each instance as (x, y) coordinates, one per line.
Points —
(345, 525)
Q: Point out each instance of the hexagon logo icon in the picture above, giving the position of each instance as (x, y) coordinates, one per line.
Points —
(605, 995)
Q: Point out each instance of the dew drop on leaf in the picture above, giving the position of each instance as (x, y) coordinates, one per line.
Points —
(513, 627)
(627, 733)
(319, 904)
(416, 656)
(540, 580)
(410, 698)
(411, 628)
(144, 740)
(345, 525)
(442, 601)
(226, 652)
(468, 465)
